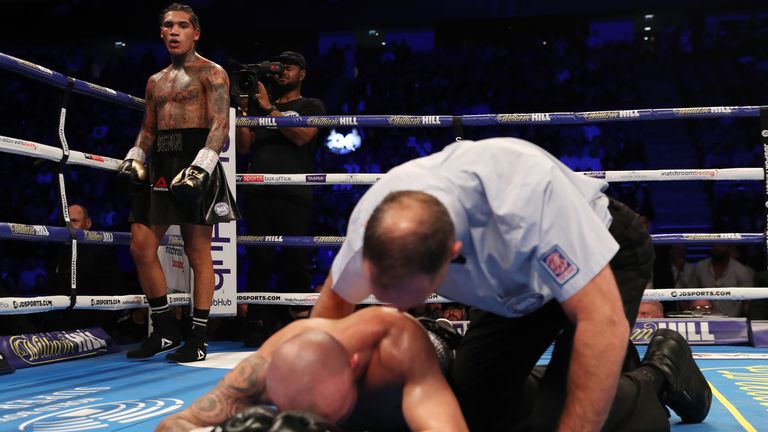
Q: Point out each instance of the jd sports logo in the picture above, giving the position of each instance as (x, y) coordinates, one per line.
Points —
(160, 185)
(103, 415)
(165, 343)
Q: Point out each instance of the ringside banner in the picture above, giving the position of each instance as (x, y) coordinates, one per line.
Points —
(715, 331)
(33, 349)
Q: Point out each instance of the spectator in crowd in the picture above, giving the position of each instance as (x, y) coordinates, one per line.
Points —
(672, 270)
(720, 270)
(278, 210)
(758, 309)
(650, 309)
(453, 311)
(682, 270)
(98, 274)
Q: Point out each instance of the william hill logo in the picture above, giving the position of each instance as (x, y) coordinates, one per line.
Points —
(104, 237)
(523, 118)
(696, 331)
(402, 120)
(257, 121)
(29, 230)
(45, 347)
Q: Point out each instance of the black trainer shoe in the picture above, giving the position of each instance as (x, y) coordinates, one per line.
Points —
(155, 344)
(5, 367)
(687, 391)
(191, 351)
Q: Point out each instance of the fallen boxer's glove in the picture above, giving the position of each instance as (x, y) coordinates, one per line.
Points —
(302, 421)
(443, 328)
(444, 338)
(258, 418)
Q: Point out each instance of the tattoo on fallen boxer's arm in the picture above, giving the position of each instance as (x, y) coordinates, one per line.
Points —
(250, 376)
(237, 391)
(218, 109)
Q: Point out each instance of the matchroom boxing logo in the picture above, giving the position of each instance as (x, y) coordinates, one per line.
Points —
(103, 415)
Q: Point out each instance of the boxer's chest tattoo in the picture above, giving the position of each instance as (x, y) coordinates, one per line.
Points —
(180, 99)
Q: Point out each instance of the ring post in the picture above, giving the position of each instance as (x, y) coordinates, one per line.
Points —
(764, 141)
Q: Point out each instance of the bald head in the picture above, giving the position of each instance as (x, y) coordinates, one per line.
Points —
(312, 371)
(79, 217)
(409, 233)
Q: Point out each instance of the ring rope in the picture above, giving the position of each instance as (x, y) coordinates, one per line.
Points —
(45, 233)
(42, 151)
(416, 121)
(15, 305)
(609, 176)
(33, 149)
(56, 79)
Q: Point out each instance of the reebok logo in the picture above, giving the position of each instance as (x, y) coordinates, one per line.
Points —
(200, 355)
(165, 343)
(160, 185)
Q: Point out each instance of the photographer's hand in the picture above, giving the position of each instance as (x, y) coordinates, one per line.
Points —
(242, 105)
(263, 99)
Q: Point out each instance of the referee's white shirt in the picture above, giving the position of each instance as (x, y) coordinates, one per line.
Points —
(532, 229)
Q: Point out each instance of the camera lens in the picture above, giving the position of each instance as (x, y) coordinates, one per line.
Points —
(246, 83)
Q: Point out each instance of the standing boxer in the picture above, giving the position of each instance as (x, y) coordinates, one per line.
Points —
(185, 127)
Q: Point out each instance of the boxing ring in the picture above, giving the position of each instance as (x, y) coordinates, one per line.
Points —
(102, 390)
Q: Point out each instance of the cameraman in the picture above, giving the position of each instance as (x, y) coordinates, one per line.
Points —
(278, 210)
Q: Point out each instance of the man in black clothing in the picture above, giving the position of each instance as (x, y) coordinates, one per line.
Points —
(278, 210)
(98, 273)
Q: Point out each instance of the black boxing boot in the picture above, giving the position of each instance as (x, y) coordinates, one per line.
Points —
(5, 367)
(194, 348)
(686, 390)
(164, 337)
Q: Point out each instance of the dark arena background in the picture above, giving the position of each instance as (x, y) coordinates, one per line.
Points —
(596, 83)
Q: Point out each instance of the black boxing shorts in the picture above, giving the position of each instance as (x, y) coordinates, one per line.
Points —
(174, 150)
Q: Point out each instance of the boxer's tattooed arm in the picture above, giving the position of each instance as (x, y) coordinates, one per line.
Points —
(146, 138)
(239, 389)
(216, 83)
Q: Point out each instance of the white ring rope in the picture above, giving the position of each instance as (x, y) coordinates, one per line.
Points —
(33, 149)
(17, 305)
(37, 150)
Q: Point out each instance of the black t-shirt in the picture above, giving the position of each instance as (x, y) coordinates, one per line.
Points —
(274, 153)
